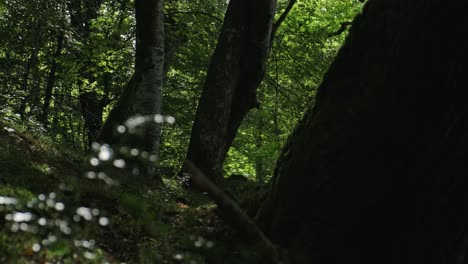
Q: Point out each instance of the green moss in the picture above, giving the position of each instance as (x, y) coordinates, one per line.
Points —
(148, 223)
(18, 170)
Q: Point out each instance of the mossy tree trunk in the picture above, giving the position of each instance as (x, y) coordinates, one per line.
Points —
(237, 67)
(376, 171)
(143, 93)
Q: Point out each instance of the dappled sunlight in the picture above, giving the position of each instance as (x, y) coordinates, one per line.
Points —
(9, 129)
(46, 215)
(139, 120)
(8, 201)
(90, 163)
(103, 155)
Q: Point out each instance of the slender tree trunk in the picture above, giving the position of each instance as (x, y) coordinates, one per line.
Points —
(92, 111)
(237, 67)
(32, 62)
(376, 170)
(82, 12)
(259, 162)
(51, 80)
(91, 107)
(32, 92)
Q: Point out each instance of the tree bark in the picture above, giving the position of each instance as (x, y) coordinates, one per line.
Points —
(143, 93)
(82, 12)
(259, 160)
(149, 63)
(376, 170)
(237, 67)
(51, 80)
(92, 111)
(32, 63)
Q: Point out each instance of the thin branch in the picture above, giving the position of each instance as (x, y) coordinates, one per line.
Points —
(343, 27)
(280, 20)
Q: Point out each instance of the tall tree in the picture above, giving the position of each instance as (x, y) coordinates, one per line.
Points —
(301, 52)
(237, 67)
(82, 13)
(142, 95)
(376, 170)
(51, 79)
(31, 67)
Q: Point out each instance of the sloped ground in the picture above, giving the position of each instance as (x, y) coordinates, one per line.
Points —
(141, 224)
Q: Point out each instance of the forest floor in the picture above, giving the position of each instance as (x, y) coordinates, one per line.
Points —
(53, 210)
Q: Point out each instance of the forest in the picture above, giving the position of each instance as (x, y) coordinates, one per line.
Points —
(233, 131)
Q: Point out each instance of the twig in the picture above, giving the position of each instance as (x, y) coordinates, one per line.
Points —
(280, 20)
(343, 27)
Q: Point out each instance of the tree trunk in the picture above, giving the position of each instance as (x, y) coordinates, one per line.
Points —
(143, 93)
(32, 70)
(237, 67)
(51, 80)
(82, 12)
(259, 160)
(32, 62)
(149, 64)
(376, 170)
(92, 111)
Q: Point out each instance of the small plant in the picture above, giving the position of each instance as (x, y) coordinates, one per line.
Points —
(45, 228)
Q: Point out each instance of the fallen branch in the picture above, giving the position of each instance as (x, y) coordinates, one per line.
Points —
(234, 215)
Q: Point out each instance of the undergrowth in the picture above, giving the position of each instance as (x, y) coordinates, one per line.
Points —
(53, 211)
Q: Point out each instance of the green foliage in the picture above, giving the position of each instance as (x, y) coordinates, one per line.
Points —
(146, 223)
(193, 27)
(31, 30)
(169, 224)
(239, 163)
(302, 50)
(103, 62)
(19, 193)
